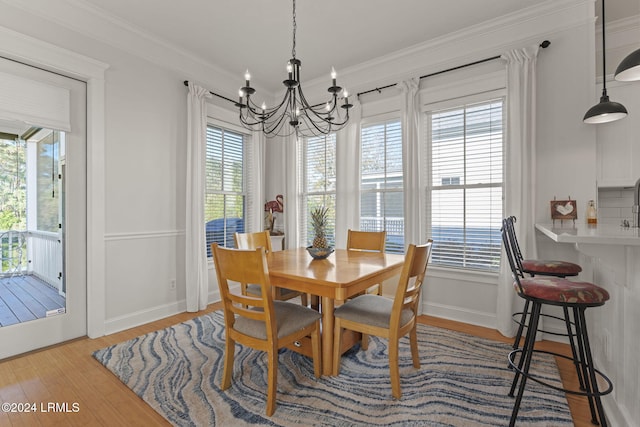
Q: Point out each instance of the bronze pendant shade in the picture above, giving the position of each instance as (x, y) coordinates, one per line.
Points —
(629, 68)
(605, 111)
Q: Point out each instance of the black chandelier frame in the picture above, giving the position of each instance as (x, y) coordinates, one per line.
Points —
(302, 118)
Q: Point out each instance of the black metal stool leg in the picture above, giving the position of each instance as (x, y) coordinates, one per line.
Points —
(528, 339)
(572, 344)
(527, 354)
(591, 381)
(584, 364)
(523, 321)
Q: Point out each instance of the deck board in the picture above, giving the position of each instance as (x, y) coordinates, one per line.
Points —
(24, 298)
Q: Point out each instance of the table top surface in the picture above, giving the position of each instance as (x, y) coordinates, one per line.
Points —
(340, 269)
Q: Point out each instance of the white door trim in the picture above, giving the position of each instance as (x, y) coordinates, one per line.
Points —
(31, 51)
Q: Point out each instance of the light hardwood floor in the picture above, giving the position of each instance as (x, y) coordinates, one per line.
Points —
(67, 373)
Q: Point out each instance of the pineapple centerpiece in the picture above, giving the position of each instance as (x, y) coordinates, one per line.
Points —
(320, 248)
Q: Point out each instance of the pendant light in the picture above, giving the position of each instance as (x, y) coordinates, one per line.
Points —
(629, 68)
(605, 111)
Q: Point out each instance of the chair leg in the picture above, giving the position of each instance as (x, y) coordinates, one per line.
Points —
(315, 302)
(337, 340)
(527, 353)
(272, 380)
(229, 353)
(364, 342)
(394, 368)
(317, 353)
(379, 289)
(303, 299)
(413, 339)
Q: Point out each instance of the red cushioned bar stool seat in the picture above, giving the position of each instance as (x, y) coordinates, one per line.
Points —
(550, 268)
(557, 290)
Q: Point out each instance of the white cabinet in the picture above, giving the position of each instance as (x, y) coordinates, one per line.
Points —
(618, 143)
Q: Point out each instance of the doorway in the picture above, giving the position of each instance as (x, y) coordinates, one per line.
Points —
(43, 222)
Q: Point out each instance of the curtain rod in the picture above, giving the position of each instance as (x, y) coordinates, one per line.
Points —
(545, 44)
(186, 83)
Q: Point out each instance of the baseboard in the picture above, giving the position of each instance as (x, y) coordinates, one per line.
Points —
(143, 317)
(478, 318)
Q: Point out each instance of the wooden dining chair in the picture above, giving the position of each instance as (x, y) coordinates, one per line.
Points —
(387, 318)
(371, 241)
(260, 322)
(257, 240)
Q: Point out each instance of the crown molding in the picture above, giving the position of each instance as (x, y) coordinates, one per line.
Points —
(487, 39)
(88, 20)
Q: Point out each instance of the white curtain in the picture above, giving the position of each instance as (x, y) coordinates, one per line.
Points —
(519, 179)
(291, 193)
(196, 273)
(348, 177)
(256, 179)
(410, 117)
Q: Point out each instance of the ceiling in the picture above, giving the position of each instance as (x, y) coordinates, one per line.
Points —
(257, 34)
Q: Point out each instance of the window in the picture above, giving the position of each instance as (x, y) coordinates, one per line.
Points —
(225, 197)
(318, 184)
(466, 145)
(381, 186)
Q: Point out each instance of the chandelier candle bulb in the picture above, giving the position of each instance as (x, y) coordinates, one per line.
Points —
(333, 75)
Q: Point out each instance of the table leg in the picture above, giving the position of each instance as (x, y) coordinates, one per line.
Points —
(327, 335)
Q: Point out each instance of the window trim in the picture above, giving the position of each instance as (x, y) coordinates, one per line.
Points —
(303, 224)
(426, 110)
(384, 120)
(246, 155)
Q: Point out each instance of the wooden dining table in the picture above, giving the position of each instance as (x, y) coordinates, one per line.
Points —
(342, 275)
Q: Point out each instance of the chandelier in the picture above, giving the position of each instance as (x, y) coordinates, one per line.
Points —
(294, 114)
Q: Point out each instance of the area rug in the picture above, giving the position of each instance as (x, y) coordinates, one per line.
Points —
(463, 381)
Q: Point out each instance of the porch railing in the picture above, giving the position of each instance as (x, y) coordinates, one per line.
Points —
(32, 252)
(45, 255)
(13, 252)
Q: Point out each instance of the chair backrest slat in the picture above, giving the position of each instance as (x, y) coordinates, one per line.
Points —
(411, 278)
(366, 240)
(253, 240)
(507, 239)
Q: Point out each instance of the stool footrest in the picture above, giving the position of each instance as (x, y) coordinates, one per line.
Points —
(532, 377)
(551, 316)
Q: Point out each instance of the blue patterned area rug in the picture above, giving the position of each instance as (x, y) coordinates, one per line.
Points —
(463, 381)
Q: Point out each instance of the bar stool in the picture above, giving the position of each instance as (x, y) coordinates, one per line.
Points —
(574, 296)
(535, 267)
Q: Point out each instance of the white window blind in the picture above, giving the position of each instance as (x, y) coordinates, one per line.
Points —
(318, 184)
(466, 185)
(225, 196)
(381, 186)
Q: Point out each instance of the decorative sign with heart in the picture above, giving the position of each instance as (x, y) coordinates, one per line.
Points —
(563, 209)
